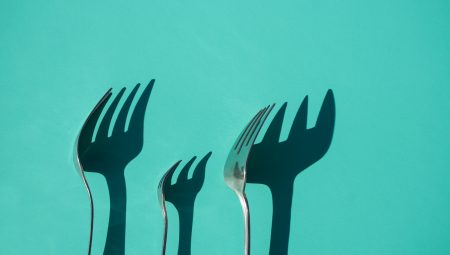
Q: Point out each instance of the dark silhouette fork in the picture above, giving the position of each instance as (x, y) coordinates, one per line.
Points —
(182, 195)
(276, 164)
(109, 155)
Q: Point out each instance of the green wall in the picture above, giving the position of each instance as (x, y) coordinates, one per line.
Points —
(382, 188)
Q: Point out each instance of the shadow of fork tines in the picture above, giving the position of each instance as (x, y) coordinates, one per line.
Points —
(109, 155)
(276, 164)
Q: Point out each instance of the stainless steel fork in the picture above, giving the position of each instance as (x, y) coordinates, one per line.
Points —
(236, 165)
(110, 154)
(162, 200)
(182, 195)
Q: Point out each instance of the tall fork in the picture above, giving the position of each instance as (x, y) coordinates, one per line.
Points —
(236, 166)
(109, 155)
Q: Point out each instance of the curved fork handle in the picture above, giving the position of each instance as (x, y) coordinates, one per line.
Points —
(245, 211)
(80, 142)
(162, 201)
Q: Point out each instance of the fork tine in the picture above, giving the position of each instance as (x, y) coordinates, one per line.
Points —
(243, 132)
(163, 182)
(87, 131)
(106, 121)
(122, 117)
(250, 129)
(169, 174)
(254, 128)
(273, 132)
(184, 172)
(298, 128)
(257, 124)
(199, 172)
(260, 124)
(137, 118)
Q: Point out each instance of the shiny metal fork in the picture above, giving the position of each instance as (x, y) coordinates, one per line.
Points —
(182, 195)
(236, 165)
(78, 162)
(162, 200)
(109, 155)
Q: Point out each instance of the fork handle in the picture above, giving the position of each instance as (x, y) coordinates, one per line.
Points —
(246, 213)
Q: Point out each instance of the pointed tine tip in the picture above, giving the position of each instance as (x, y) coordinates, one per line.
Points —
(174, 166)
(271, 106)
(256, 127)
(106, 96)
(245, 131)
(172, 169)
(252, 128)
(269, 110)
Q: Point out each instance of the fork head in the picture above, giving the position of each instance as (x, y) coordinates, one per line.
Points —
(161, 186)
(162, 201)
(235, 165)
(105, 154)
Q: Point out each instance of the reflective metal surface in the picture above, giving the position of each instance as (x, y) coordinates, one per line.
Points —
(162, 200)
(235, 166)
(79, 148)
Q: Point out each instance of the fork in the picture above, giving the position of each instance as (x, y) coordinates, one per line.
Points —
(109, 155)
(182, 195)
(236, 166)
(276, 164)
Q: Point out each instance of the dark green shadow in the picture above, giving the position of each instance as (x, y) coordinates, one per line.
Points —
(276, 164)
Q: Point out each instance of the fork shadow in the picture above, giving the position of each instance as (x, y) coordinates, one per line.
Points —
(276, 164)
(109, 156)
(182, 195)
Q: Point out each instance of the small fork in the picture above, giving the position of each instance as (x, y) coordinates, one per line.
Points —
(236, 166)
(182, 195)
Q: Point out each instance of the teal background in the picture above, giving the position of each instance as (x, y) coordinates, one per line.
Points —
(382, 188)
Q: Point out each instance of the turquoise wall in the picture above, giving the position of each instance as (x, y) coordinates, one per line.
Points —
(382, 188)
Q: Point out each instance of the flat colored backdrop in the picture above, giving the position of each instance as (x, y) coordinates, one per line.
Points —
(382, 188)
